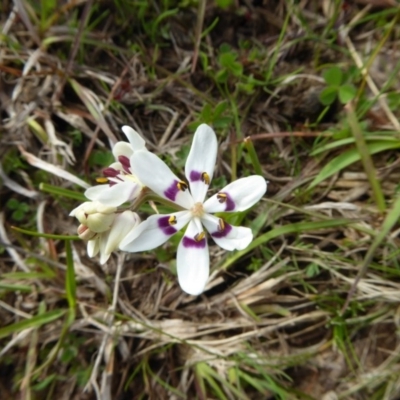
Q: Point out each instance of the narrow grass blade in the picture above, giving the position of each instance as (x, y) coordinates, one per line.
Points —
(45, 187)
(298, 227)
(366, 158)
(9, 287)
(390, 221)
(253, 155)
(33, 322)
(349, 157)
(70, 282)
(45, 235)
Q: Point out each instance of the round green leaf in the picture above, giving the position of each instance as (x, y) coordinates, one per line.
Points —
(333, 76)
(328, 95)
(347, 92)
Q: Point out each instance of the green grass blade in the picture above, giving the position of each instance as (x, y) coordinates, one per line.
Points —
(45, 187)
(366, 159)
(390, 221)
(298, 227)
(253, 155)
(70, 283)
(45, 235)
(349, 157)
(33, 322)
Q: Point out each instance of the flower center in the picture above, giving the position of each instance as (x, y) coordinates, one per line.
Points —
(197, 210)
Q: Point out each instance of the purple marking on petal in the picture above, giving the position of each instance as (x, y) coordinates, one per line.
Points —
(172, 191)
(111, 172)
(191, 243)
(223, 233)
(126, 164)
(227, 199)
(195, 176)
(165, 226)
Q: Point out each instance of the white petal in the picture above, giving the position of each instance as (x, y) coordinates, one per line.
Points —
(93, 247)
(227, 236)
(123, 223)
(99, 222)
(137, 142)
(114, 195)
(103, 239)
(193, 262)
(121, 149)
(238, 195)
(155, 174)
(201, 160)
(153, 232)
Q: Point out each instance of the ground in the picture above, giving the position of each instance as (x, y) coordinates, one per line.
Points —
(304, 93)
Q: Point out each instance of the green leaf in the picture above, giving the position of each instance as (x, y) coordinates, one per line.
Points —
(347, 92)
(349, 157)
(224, 3)
(220, 108)
(333, 76)
(221, 76)
(70, 284)
(236, 69)
(13, 204)
(18, 215)
(33, 322)
(206, 113)
(328, 95)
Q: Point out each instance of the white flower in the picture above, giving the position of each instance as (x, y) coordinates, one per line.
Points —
(96, 216)
(122, 184)
(108, 241)
(193, 256)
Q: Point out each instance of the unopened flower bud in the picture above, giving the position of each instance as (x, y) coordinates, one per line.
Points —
(85, 233)
(94, 215)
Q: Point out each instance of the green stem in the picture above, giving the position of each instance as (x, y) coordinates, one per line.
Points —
(45, 235)
(253, 155)
(366, 158)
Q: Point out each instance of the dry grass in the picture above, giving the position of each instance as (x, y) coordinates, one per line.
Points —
(311, 309)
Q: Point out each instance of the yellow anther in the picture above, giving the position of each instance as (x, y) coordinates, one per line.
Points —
(102, 180)
(205, 178)
(222, 197)
(182, 186)
(172, 220)
(221, 224)
(200, 236)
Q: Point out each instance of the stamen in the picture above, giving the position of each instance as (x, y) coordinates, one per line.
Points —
(102, 180)
(182, 186)
(111, 172)
(225, 198)
(200, 236)
(125, 162)
(222, 197)
(205, 178)
(172, 220)
(221, 224)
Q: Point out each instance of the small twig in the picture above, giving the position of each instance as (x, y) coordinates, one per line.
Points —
(74, 49)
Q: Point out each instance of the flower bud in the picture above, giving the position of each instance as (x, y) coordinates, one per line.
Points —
(95, 216)
(85, 233)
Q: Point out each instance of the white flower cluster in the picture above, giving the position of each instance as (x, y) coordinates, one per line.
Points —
(106, 229)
